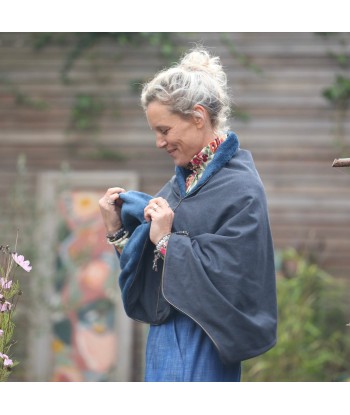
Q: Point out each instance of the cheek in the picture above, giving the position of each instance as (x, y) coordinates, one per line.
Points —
(183, 138)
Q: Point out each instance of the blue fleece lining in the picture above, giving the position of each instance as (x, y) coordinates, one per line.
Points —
(133, 220)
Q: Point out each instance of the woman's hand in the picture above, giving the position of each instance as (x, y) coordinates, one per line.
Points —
(110, 206)
(162, 217)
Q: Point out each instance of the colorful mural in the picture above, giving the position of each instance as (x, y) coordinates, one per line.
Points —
(85, 343)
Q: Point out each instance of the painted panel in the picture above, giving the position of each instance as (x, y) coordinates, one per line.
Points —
(86, 335)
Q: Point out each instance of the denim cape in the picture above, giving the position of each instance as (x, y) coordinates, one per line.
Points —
(222, 275)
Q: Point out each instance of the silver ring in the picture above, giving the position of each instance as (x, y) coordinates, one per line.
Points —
(155, 207)
(111, 202)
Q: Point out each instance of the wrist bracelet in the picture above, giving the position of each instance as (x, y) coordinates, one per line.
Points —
(162, 241)
(118, 241)
(159, 252)
(161, 246)
(116, 236)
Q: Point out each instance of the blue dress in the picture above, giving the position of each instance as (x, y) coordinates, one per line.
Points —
(180, 351)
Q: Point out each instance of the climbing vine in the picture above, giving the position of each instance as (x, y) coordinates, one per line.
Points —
(79, 43)
(338, 92)
(88, 108)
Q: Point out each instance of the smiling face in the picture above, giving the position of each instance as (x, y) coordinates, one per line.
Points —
(181, 137)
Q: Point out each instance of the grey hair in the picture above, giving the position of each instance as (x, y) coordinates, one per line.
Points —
(198, 79)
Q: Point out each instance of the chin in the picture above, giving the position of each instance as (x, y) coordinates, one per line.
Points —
(181, 163)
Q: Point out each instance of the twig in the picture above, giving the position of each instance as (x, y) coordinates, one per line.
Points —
(341, 162)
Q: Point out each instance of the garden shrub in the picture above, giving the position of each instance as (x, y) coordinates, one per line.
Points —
(313, 342)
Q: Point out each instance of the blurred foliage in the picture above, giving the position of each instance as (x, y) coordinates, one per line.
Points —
(85, 112)
(338, 93)
(101, 152)
(88, 109)
(80, 43)
(18, 209)
(242, 58)
(21, 98)
(247, 62)
(10, 292)
(341, 55)
(313, 340)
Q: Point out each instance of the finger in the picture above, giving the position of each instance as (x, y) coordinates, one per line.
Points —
(106, 202)
(153, 205)
(112, 195)
(160, 201)
(148, 213)
(110, 201)
(152, 202)
(113, 190)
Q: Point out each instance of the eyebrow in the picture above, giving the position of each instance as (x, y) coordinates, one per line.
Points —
(161, 127)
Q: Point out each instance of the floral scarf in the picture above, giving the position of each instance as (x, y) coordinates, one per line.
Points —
(200, 161)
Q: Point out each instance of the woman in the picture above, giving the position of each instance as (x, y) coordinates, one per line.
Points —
(197, 259)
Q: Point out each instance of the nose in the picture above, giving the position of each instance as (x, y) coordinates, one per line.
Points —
(160, 141)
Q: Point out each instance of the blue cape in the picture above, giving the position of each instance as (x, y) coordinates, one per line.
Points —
(222, 275)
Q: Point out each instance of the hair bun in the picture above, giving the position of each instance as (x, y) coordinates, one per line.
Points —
(195, 60)
(200, 60)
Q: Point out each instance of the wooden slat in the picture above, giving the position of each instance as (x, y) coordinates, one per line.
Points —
(290, 132)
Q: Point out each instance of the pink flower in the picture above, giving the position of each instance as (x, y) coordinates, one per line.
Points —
(1, 332)
(196, 161)
(19, 259)
(5, 306)
(6, 285)
(7, 360)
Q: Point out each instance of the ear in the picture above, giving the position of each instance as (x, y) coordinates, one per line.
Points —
(200, 114)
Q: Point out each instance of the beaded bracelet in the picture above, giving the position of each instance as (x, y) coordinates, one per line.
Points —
(162, 241)
(118, 241)
(160, 251)
(118, 237)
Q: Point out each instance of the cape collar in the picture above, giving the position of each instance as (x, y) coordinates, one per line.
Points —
(199, 161)
(223, 154)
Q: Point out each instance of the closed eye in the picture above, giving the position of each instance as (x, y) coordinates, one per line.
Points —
(165, 131)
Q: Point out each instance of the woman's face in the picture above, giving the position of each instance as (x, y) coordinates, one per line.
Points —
(181, 137)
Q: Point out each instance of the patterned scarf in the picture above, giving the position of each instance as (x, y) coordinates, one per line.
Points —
(200, 161)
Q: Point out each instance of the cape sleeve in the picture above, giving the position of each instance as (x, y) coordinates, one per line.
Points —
(138, 282)
(226, 281)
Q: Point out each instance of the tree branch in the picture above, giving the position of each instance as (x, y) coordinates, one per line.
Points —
(341, 162)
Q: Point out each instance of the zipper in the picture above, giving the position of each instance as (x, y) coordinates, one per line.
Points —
(191, 194)
(162, 279)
